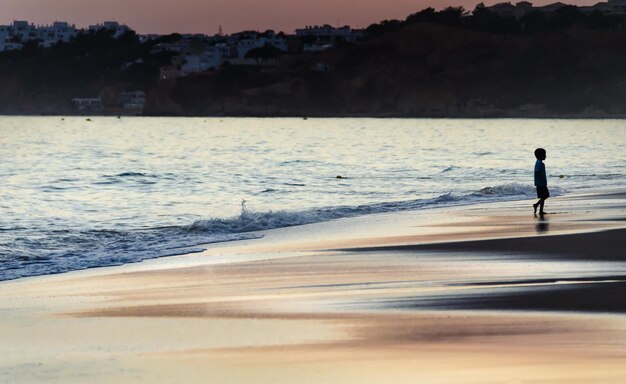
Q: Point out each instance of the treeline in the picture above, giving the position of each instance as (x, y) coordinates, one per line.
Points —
(35, 79)
(482, 19)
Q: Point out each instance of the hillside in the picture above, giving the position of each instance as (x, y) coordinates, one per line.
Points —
(415, 68)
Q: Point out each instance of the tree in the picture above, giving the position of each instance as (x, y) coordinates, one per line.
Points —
(264, 53)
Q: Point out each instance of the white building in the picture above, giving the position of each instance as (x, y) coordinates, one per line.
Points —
(113, 26)
(5, 35)
(246, 45)
(316, 47)
(5, 32)
(57, 32)
(19, 32)
(13, 36)
(330, 33)
(87, 104)
(23, 31)
(244, 42)
(134, 100)
(326, 36)
(148, 37)
(8, 46)
(196, 63)
(232, 49)
(211, 58)
(180, 46)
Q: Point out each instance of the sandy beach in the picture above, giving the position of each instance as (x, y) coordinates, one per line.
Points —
(483, 293)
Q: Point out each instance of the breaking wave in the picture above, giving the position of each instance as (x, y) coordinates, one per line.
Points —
(252, 221)
(29, 252)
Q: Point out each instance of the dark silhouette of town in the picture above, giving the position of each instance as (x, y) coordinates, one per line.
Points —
(507, 60)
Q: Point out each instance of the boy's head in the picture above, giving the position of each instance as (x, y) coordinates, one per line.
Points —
(540, 153)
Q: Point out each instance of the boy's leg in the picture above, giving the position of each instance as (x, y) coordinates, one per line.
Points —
(541, 202)
(536, 205)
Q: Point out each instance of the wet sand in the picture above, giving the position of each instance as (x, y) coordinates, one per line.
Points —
(479, 294)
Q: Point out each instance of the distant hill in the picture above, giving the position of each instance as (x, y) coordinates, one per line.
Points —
(433, 64)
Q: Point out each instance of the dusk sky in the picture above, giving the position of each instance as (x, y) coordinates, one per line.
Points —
(205, 16)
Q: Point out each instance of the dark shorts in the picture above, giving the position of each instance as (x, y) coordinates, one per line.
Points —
(543, 193)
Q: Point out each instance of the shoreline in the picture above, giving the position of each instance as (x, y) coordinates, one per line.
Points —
(473, 294)
(448, 239)
(305, 117)
(437, 206)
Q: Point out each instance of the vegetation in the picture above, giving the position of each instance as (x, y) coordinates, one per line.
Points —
(44, 80)
(433, 63)
(482, 19)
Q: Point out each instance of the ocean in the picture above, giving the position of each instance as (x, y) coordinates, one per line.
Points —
(79, 192)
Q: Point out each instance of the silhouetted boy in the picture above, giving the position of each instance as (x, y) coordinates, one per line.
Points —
(541, 181)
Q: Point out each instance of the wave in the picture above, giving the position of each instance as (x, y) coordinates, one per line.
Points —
(512, 189)
(28, 252)
(252, 221)
(134, 177)
(134, 174)
(450, 168)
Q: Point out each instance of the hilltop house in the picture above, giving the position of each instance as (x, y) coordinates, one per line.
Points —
(326, 31)
(204, 61)
(57, 32)
(113, 26)
(322, 37)
(244, 42)
(5, 36)
(15, 35)
(19, 32)
(23, 31)
(199, 54)
(211, 57)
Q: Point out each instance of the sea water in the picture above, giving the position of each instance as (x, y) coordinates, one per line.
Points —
(78, 193)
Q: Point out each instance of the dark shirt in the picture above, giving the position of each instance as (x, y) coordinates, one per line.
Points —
(540, 174)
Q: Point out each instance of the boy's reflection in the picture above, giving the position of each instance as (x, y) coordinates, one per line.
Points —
(542, 225)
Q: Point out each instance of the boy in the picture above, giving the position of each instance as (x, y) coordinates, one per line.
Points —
(541, 181)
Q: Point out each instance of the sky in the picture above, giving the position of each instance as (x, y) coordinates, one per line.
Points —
(206, 16)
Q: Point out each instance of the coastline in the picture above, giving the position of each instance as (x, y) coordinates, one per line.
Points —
(479, 293)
